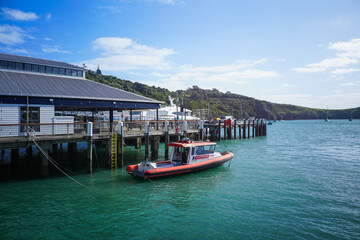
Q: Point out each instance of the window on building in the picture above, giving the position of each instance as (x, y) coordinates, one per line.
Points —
(11, 65)
(34, 68)
(80, 73)
(3, 64)
(61, 71)
(68, 72)
(42, 69)
(34, 118)
(48, 69)
(55, 70)
(73, 73)
(19, 66)
(27, 67)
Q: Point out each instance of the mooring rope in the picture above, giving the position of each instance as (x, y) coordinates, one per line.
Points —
(53, 162)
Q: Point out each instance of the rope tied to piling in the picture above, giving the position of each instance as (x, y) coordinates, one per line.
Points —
(52, 161)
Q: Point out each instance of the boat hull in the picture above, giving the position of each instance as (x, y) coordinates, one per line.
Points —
(179, 170)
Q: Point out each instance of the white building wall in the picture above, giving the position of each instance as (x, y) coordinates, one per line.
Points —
(47, 113)
(9, 114)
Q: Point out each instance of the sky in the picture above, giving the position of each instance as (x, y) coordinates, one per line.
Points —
(299, 52)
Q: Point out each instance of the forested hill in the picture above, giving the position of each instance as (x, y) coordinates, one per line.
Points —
(221, 104)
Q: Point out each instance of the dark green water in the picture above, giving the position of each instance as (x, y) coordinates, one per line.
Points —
(302, 181)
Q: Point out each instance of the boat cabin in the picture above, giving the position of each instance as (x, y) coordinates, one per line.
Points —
(188, 152)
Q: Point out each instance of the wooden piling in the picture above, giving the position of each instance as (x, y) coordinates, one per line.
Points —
(155, 141)
(120, 150)
(224, 130)
(147, 146)
(166, 146)
(253, 128)
(89, 153)
(249, 123)
(138, 143)
(219, 131)
(234, 129)
(244, 129)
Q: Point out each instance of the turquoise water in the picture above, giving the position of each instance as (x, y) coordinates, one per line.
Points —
(302, 181)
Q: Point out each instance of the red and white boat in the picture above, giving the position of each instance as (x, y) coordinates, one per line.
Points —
(186, 157)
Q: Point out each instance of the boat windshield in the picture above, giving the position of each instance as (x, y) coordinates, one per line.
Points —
(201, 150)
(180, 155)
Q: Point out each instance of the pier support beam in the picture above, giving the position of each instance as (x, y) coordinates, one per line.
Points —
(249, 124)
(147, 139)
(166, 140)
(72, 147)
(155, 142)
(29, 151)
(219, 131)
(253, 129)
(244, 129)
(224, 130)
(120, 150)
(138, 143)
(89, 153)
(44, 162)
(201, 130)
(234, 129)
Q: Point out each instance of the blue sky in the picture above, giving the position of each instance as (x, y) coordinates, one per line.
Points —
(305, 53)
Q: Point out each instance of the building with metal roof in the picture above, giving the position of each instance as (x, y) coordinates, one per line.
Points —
(32, 89)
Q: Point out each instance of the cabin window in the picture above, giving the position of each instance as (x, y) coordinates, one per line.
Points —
(79, 73)
(193, 151)
(61, 71)
(68, 72)
(34, 117)
(202, 150)
(177, 154)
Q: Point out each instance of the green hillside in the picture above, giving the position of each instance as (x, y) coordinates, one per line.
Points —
(228, 103)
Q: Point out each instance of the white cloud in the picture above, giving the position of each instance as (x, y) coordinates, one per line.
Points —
(216, 76)
(52, 49)
(347, 53)
(48, 16)
(11, 35)
(345, 70)
(349, 49)
(350, 84)
(16, 14)
(48, 39)
(123, 54)
(14, 50)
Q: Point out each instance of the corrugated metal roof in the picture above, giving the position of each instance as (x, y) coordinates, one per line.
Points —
(23, 59)
(39, 85)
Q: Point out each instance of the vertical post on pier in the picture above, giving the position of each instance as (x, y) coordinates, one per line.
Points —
(224, 130)
(261, 128)
(157, 119)
(166, 140)
(240, 130)
(201, 130)
(147, 135)
(120, 145)
(253, 128)
(219, 130)
(185, 128)
(265, 129)
(244, 129)
(138, 143)
(235, 129)
(249, 123)
(90, 145)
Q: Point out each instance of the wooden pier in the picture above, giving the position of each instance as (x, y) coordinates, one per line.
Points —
(114, 135)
